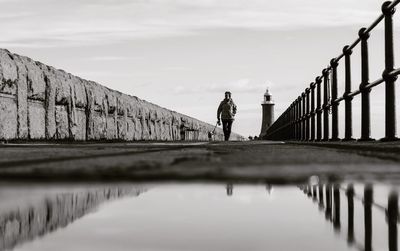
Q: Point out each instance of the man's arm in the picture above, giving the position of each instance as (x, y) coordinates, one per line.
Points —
(234, 108)
(219, 111)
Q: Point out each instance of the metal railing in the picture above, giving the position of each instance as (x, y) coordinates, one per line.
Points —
(302, 120)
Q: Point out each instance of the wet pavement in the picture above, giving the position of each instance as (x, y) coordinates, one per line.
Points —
(274, 162)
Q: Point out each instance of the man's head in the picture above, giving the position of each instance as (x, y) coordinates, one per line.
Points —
(228, 95)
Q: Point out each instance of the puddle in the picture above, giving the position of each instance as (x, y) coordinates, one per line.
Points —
(197, 216)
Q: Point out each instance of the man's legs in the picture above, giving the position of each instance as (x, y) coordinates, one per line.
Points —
(227, 127)
(224, 127)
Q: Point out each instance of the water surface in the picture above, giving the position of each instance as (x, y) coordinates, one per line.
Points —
(197, 217)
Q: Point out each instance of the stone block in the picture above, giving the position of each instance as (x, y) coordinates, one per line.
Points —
(79, 132)
(145, 129)
(79, 92)
(8, 118)
(8, 73)
(22, 98)
(63, 88)
(138, 133)
(121, 127)
(152, 130)
(99, 126)
(35, 79)
(130, 129)
(111, 127)
(111, 101)
(50, 104)
(121, 105)
(62, 124)
(36, 118)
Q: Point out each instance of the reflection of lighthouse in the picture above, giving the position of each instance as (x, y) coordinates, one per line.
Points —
(268, 113)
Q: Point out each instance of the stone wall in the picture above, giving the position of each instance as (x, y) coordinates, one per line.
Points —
(39, 102)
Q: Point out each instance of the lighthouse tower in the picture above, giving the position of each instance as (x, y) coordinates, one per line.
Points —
(267, 113)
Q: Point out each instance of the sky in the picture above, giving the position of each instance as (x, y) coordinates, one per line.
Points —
(184, 54)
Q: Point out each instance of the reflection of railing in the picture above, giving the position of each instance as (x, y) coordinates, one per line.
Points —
(331, 204)
(26, 223)
(301, 121)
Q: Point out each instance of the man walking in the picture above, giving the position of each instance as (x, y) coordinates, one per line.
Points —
(226, 112)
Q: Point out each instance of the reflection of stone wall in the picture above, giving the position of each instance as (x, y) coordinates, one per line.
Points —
(40, 102)
(53, 212)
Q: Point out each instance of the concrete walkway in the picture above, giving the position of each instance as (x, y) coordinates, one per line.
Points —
(264, 161)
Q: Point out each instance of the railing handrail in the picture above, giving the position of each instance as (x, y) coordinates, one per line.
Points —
(298, 119)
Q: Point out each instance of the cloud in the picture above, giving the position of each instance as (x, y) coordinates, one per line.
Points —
(46, 23)
(238, 86)
(108, 58)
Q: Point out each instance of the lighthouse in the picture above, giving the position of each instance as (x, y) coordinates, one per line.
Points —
(267, 113)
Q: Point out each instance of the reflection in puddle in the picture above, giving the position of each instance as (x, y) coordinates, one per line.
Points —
(27, 213)
(199, 217)
(385, 214)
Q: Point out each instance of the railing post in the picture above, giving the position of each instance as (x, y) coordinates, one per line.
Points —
(365, 101)
(334, 86)
(368, 200)
(347, 98)
(290, 121)
(390, 96)
(308, 114)
(295, 119)
(350, 209)
(319, 110)
(336, 201)
(282, 128)
(328, 195)
(315, 196)
(321, 195)
(303, 117)
(312, 86)
(392, 218)
(325, 107)
(299, 136)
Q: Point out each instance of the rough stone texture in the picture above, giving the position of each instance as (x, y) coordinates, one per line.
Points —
(22, 98)
(40, 102)
(37, 120)
(8, 118)
(62, 131)
(8, 73)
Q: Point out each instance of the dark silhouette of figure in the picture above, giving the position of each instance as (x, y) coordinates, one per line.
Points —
(229, 189)
(226, 112)
(268, 187)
